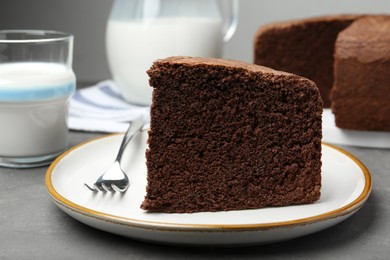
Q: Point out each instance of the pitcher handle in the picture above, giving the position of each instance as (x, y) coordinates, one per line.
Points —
(232, 20)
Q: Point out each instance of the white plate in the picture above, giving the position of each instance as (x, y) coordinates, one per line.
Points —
(346, 186)
(332, 134)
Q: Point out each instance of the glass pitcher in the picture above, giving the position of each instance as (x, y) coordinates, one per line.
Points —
(140, 31)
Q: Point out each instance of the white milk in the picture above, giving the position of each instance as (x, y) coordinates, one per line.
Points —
(132, 46)
(34, 108)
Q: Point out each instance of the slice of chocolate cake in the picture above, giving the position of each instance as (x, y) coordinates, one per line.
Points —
(304, 47)
(361, 92)
(227, 135)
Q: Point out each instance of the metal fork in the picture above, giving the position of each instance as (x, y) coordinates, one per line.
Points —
(115, 179)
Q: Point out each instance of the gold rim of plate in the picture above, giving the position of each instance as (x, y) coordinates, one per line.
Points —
(138, 223)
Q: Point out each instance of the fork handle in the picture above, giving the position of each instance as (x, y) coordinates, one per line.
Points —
(135, 126)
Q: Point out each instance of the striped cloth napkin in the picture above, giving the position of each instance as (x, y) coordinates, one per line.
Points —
(101, 108)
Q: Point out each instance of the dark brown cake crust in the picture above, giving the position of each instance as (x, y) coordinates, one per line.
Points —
(361, 92)
(228, 135)
(304, 47)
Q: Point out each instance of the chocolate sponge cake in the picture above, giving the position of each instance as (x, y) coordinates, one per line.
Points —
(227, 135)
(304, 47)
(361, 92)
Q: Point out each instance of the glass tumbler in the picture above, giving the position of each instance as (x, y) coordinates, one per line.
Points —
(36, 82)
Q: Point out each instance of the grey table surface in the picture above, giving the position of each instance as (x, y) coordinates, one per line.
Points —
(33, 227)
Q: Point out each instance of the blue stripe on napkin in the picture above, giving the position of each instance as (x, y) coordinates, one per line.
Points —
(84, 100)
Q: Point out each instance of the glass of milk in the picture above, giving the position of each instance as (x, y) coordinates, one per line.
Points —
(36, 82)
(140, 31)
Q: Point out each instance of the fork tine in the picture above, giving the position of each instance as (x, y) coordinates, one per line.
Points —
(106, 188)
(117, 189)
(99, 188)
(92, 189)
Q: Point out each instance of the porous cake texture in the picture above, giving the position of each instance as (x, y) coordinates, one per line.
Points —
(227, 135)
(361, 93)
(304, 47)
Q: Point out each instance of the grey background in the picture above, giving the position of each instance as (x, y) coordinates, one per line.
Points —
(86, 19)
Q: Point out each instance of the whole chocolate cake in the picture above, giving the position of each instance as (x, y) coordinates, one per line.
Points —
(304, 47)
(361, 93)
(227, 135)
